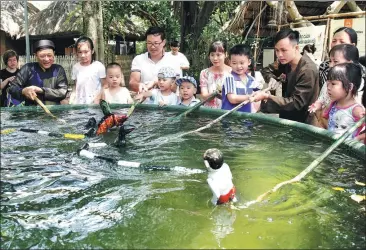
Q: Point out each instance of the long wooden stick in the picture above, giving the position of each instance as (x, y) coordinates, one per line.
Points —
(221, 117)
(132, 108)
(40, 103)
(195, 107)
(217, 119)
(315, 163)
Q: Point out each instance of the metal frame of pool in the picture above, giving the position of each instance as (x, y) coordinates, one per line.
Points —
(352, 147)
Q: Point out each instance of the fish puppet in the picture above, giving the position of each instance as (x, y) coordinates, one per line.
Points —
(109, 121)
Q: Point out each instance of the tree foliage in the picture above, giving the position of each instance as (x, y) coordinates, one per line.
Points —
(197, 52)
(195, 23)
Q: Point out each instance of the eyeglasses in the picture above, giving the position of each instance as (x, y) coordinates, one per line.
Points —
(156, 44)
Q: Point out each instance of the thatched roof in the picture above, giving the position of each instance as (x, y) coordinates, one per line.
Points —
(66, 18)
(55, 19)
(133, 28)
(248, 11)
(12, 16)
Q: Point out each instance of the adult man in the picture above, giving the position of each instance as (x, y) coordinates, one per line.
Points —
(8, 74)
(178, 56)
(145, 67)
(300, 75)
(42, 79)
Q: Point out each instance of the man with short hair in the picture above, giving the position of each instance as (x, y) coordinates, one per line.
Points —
(300, 75)
(7, 75)
(178, 56)
(42, 79)
(145, 67)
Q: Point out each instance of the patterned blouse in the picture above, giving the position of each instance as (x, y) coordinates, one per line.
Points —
(212, 81)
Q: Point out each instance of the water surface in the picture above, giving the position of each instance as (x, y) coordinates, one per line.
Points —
(51, 198)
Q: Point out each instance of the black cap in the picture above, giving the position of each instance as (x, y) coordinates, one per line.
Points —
(43, 44)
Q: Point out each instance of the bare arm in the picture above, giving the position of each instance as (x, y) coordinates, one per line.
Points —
(6, 81)
(99, 96)
(235, 99)
(135, 79)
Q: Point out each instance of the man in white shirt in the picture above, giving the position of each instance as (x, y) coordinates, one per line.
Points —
(145, 67)
(178, 56)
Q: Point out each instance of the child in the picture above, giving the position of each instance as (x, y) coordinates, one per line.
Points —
(87, 73)
(238, 86)
(219, 177)
(187, 89)
(164, 95)
(342, 53)
(343, 81)
(116, 92)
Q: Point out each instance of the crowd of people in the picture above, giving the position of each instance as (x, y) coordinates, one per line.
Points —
(329, 95)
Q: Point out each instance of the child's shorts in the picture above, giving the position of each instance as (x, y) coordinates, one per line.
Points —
(227, 197)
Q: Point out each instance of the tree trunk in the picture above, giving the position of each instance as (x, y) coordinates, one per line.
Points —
(188, 17)
(90, 23)
(193, 20)
(335, 7)
(203, 18)
(100, 33)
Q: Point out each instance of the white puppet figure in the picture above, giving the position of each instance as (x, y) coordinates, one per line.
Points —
(219, 177)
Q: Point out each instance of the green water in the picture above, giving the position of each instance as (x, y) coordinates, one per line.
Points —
(51, 198)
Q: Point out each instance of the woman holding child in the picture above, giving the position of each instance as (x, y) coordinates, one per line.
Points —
(212, 79)
(343, 35)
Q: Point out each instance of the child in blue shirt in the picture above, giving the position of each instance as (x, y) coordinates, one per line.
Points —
(239, 85)
(187, 89)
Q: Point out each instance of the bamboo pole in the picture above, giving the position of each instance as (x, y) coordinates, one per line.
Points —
(323, 18)
(359, 13)
(288, 24)
(315, 163)
(222, 116)
(326, 39)
(40, 103)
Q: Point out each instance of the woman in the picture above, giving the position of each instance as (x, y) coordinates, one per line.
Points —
(212, 79)
(7, 75)
(340, 36)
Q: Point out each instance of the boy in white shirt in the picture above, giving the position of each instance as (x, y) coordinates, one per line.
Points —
(180, 57)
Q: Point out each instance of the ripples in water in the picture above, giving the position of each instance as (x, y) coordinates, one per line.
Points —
(52, 198)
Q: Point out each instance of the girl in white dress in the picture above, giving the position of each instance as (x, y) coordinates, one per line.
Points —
(88, 74)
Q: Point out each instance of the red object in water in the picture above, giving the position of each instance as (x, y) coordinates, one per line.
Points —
(227, 197)
(110, 121)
